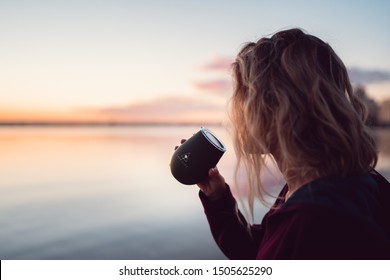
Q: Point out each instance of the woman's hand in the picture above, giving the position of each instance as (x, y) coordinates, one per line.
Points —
(214, 186)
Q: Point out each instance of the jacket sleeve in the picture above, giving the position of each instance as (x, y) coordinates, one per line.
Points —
(233, 235)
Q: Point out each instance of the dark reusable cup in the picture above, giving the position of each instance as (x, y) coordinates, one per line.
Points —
(191, 162)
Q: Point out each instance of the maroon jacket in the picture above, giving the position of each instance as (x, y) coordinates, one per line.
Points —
(332, 218)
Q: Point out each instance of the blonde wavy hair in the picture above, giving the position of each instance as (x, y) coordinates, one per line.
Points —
(293, 99)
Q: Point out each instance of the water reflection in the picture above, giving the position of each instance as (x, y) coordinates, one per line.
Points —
(105, 193)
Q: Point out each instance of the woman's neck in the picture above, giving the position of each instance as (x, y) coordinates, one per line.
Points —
(293, 179)
(294, 185)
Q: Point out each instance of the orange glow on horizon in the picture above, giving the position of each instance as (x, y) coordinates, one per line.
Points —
(167, 110)
(29, 115)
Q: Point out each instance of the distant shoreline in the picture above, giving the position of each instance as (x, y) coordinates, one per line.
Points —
(129, 124)
(102, 124)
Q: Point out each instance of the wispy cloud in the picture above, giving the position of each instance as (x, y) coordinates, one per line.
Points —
(363, 76)
(166, 110)
(219, 63)
(221, 86)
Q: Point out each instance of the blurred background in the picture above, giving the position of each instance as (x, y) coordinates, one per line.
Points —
(94, 95)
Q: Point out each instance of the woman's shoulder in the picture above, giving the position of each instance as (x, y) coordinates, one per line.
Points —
(330, 203)
(355, 194)
(354, 202)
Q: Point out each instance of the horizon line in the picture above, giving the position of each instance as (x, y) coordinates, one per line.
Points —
(108, 123)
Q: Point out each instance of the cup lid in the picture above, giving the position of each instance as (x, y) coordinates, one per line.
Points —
(213, 139)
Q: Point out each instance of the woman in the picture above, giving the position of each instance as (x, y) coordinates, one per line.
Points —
(293, 100)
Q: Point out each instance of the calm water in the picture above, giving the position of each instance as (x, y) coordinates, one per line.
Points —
(106, 193)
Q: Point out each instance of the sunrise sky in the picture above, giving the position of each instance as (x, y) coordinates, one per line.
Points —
(163, 61)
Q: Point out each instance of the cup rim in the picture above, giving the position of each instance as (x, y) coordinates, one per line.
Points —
(206, 131)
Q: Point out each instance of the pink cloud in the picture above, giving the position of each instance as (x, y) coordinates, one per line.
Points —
(223, 86)
(166, 110)
(219, 63)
